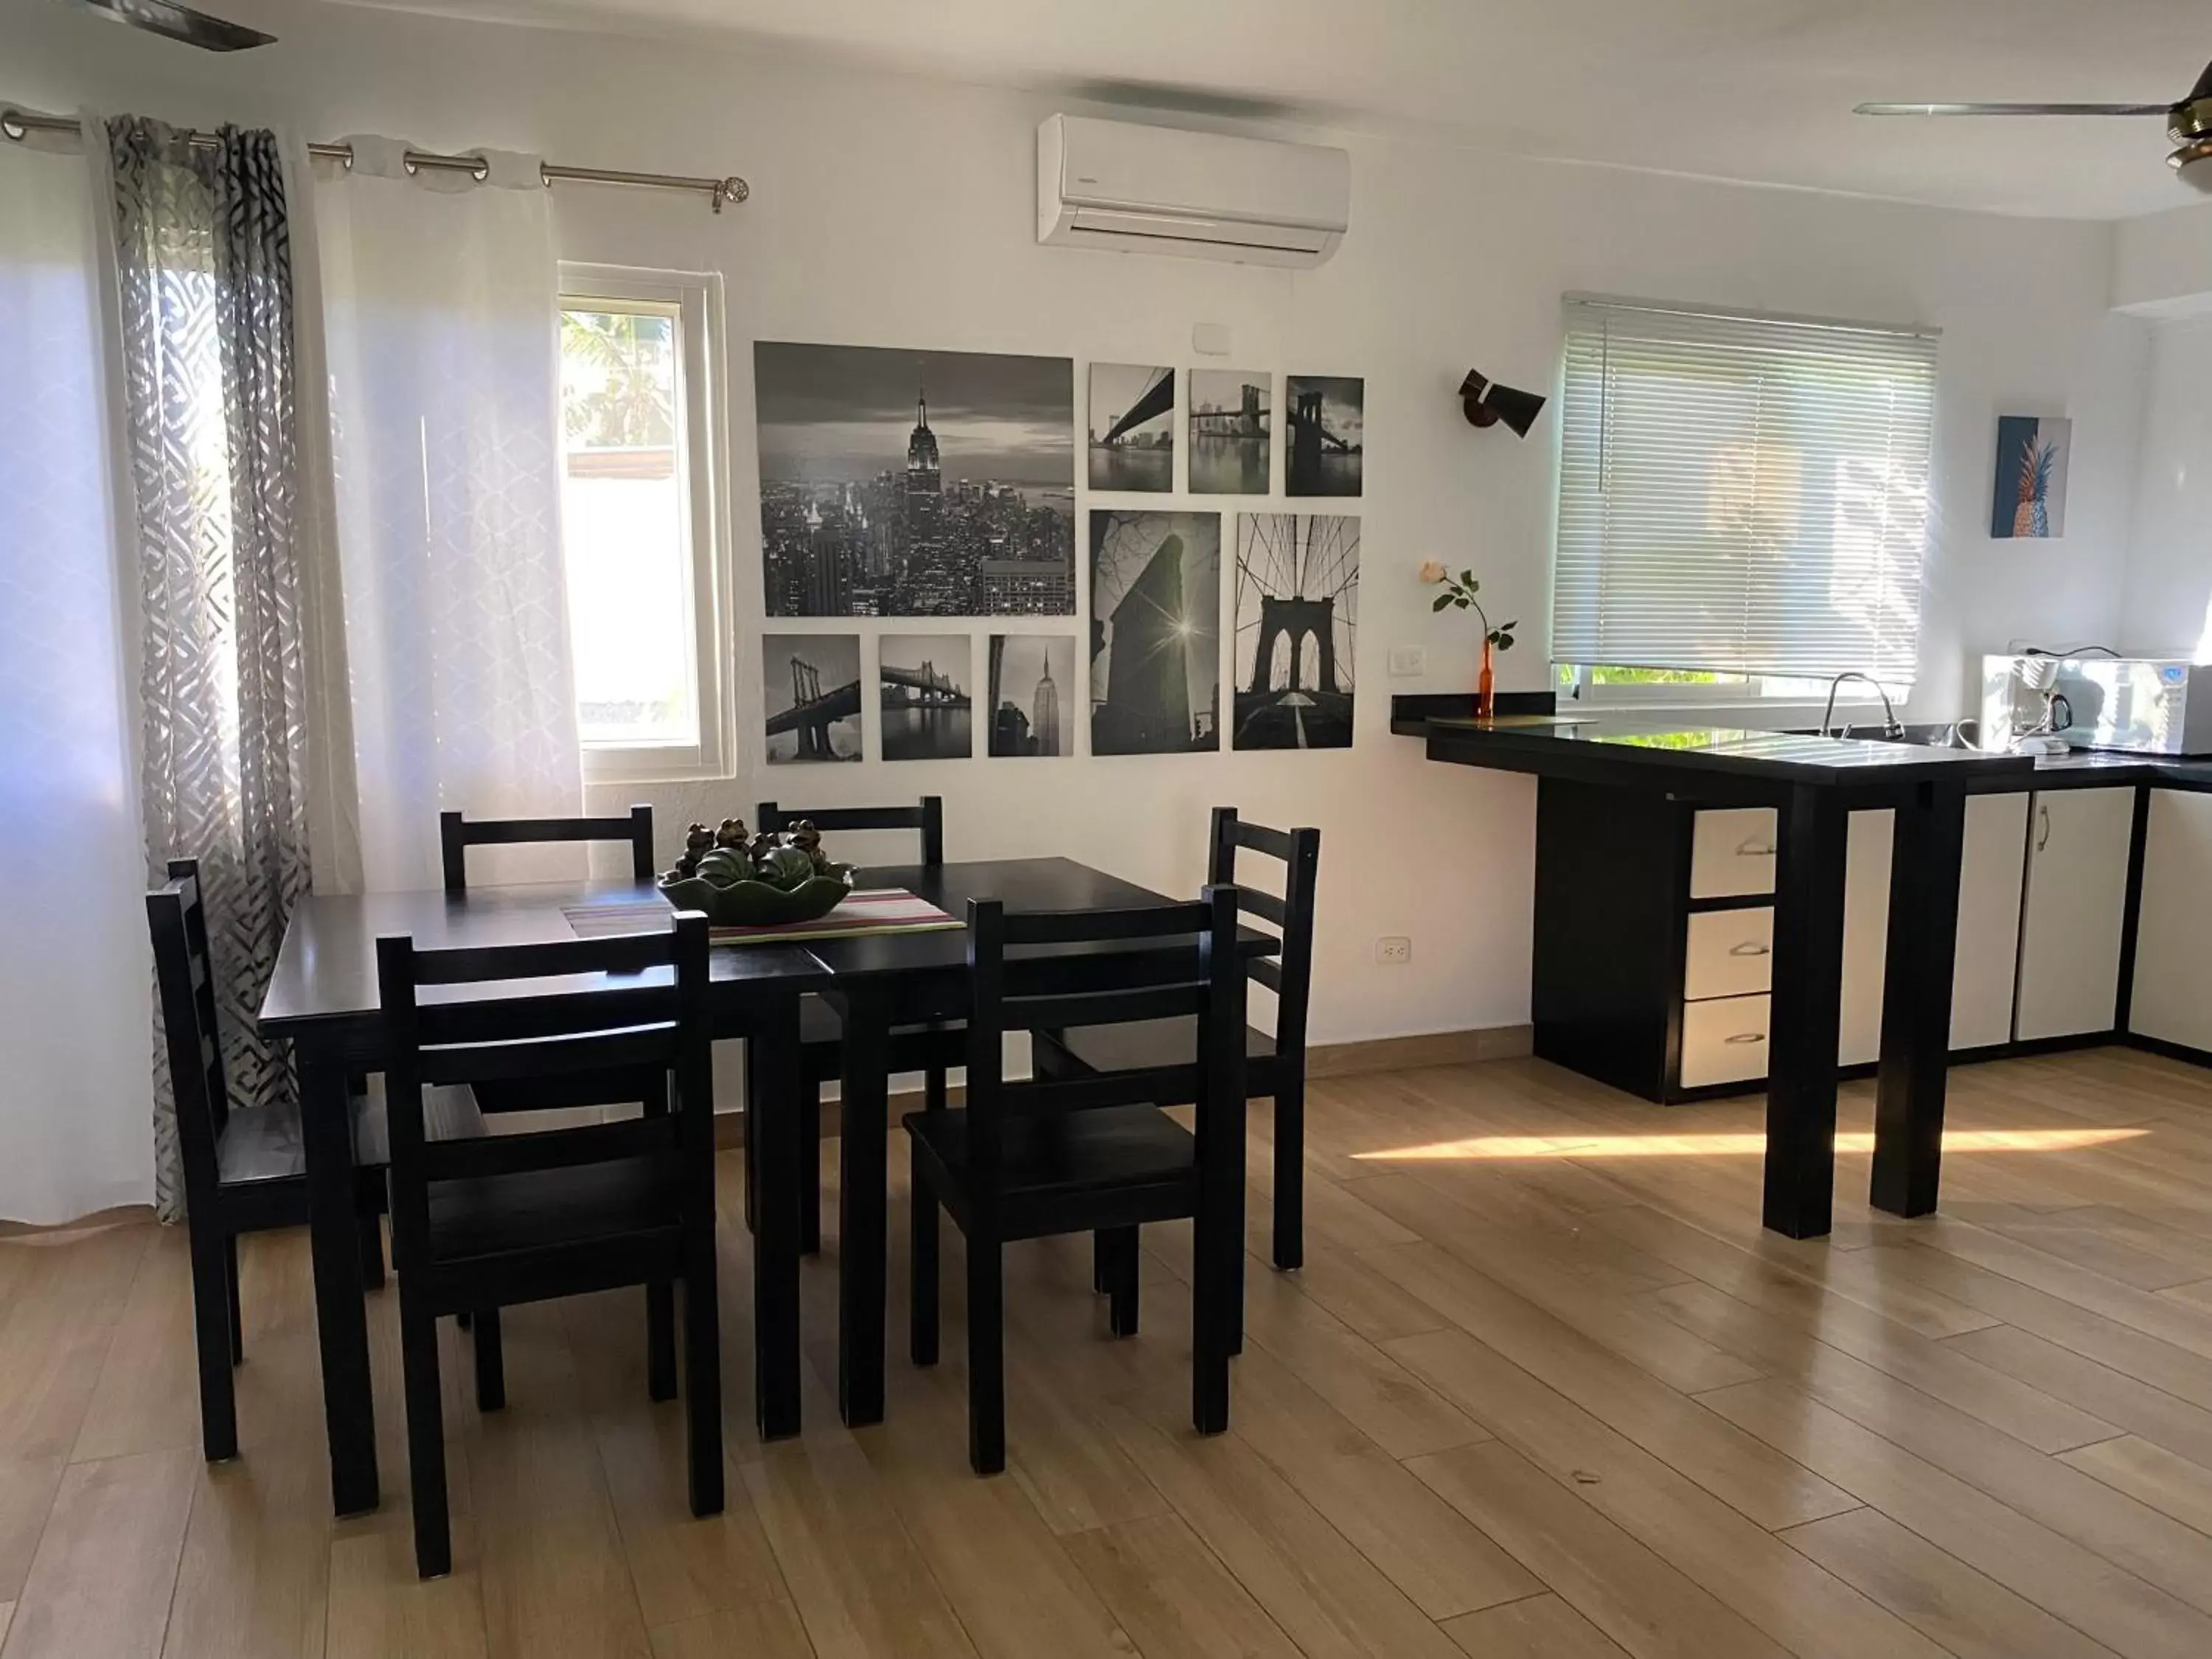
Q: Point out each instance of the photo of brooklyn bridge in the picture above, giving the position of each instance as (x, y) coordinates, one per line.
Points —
(1324, 435)
(906, 483)
(1155, 632)
(1298, 594)
(811, 692)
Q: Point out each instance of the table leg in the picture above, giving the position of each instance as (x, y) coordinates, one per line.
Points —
(1916, 999)
(341, 1315)
(1803, 1025)
(863, 1086)
(772, 1115)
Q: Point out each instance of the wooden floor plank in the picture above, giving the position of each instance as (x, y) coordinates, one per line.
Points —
(253, 1582)
(1173, 1598)
(2155, 1476)
(1535, 1627)
(106, 1567)
(1972, 1616)
(767, 1629)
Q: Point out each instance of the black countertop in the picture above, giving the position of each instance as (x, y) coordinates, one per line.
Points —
(1736, 762)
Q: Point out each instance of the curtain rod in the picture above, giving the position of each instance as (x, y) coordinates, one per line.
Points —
(19, 123)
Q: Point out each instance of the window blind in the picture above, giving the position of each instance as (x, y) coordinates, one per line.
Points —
(1742, 495)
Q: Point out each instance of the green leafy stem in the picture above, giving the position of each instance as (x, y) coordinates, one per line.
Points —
(1459, 594)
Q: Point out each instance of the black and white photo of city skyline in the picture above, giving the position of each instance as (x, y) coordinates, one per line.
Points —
(1229, 431)
(1155, 632)
(1032, 694)
(811, 692)
(925, 690)
(1298, 615)
(1324, 434)
(911, 484)
(1131, 432)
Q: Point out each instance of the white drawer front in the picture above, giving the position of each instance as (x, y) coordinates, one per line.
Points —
(1730, 954)
(1724, 1040)
(1732, 851)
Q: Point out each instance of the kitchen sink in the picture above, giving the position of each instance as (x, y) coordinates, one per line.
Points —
(1938, 736)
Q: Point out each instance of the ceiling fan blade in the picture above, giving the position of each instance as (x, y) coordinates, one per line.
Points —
(178, 22)
(2012, 109)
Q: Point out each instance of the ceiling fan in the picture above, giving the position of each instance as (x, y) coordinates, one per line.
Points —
(179, 23)
(2188, 122)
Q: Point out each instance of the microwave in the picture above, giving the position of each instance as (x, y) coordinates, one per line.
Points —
(2151, 705)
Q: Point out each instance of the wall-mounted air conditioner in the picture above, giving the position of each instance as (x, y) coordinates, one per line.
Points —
(1159, 190)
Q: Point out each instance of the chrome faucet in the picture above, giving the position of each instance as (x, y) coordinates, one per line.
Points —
(1892, 727)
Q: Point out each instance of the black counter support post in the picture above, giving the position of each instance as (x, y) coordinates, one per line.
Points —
(1807, 997)
(1916, 999)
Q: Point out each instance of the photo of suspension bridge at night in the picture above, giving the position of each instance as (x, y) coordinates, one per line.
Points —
(907, 483)
(1298, 602)
(1155, 632)
(1229, 431)
(924, 707)
(1032, 694)
(810, 689)
(1324, 434)
(1131, 427)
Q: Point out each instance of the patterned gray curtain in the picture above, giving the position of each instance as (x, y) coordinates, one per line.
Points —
(203, 258)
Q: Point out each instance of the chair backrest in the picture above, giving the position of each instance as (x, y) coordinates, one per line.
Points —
(1289, 974)
(928, 816)
(1105, 968)
(457, 833)
(510, 1034)
(184, 975)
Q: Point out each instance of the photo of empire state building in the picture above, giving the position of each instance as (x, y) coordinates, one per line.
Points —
(905, 484)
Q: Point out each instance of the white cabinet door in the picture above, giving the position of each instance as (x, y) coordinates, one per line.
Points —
(1991, 868)
(1866, 935)
(2077, 893)
(2172, 1000)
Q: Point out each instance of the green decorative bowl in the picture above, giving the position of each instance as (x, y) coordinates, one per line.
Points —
(757, 904)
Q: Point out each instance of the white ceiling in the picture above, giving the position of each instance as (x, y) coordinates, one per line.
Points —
(1757, 90)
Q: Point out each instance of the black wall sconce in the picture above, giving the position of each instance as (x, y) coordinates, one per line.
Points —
(1488, 403)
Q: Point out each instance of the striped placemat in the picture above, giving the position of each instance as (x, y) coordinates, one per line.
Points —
(868, 910)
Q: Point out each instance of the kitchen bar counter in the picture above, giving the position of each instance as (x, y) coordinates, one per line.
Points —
(1814, 784)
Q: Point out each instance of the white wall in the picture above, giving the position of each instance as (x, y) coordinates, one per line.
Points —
(898, 211)
(2168, 606)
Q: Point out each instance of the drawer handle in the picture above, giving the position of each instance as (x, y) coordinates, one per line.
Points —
(1754, 849)
(1746, 1036)
(1750, 947)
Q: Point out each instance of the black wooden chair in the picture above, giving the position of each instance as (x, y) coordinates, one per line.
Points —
(482, 1224)
(931, 1049)
(457, 833)
(245, 1171)
(1092, 1154)
(1275, 1062)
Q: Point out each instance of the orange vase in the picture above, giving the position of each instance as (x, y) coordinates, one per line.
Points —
(1485, 687)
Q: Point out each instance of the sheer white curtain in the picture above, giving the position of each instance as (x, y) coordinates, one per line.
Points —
(76, 1104)
(440, 311)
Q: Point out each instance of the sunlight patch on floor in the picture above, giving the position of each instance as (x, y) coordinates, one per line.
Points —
(1746, 1143)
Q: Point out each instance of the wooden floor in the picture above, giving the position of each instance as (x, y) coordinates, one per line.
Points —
(1543, 1388)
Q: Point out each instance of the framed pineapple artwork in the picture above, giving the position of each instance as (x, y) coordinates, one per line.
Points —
(2028, 502)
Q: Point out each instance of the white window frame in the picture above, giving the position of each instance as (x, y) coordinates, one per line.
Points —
(1762, 698)
(697, 299)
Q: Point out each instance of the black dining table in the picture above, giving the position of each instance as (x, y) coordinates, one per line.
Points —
(323, 998)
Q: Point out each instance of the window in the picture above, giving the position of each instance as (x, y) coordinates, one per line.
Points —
(1743, 503)
(641, 514)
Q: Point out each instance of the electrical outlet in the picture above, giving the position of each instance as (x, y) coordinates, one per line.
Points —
(1394, 949)
(1409, 661)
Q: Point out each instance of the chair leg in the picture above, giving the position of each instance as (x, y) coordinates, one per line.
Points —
(921, 1259)
(426, 1441)
(230, 1294)
(1290, 1175)
(372, 1250)
(215, 1335)
(702, 1373)
(660, 1340)
(1214, 1328)
(1121, 1245)
(491, 1362)
(935, 1095)
(810, 1169)
(987, 1382)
